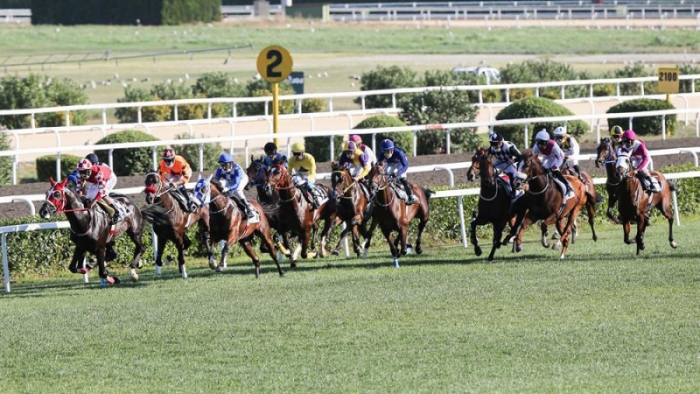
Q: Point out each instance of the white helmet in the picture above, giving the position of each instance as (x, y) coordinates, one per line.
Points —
(559, 132)
(542, 135)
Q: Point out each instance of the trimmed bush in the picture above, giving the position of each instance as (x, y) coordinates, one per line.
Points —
(386, 78)
(540, 71)
(5, 161)
(218, 84)
(46, 166)
(535, 107)
(132, 161)
(633, 89)
(643, 125)
(313, 105)
(261, 88)
(148, 114)
(190, 152)
(319, 147)
(403, 140)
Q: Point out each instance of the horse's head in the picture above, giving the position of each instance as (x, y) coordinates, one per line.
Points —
(623, 167)
(257, 173)
(473, 171)
(278, 179)
(531, 166)
(201, 194)
(604, 152)
(153, 187)
(377, 178)
(55, 201)
(484, 164)
(340, 180)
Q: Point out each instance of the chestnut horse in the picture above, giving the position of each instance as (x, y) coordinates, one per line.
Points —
(92, 230)
(635, 203)
(257, 176)
(592, 198)
(351, 206)
(546, 203)
(170, 221)
(298, 214)
(227, 223)
(392, 214)
(605, 154)
(494, 204)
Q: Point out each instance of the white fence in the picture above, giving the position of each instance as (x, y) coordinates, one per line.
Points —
(441, 194)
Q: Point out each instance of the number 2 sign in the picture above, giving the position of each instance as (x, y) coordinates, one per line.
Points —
(274, 64)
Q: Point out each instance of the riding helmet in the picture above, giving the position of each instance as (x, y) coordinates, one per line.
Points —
(629, 135)
(298, 147)
(356, 138)
(616, 131)
(270, 148)
(84, 165)
(495, 137)
(559, 132)
(225, 158)
(350, 146)
(168, 154)
(93, 158)
(386, 145)
(542, 135)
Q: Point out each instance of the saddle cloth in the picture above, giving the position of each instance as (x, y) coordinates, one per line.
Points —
(398, 189)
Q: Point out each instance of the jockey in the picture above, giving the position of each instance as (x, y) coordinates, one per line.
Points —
(104, 179)
(272, 156)
(397, 165)
(73, 176)
(639, 157)
(567, 143)
(354, 160)
(506, 155)
(616, 136)
(175, 171)
(553, 158)
(303, 167)
(371, 157)
(233, 179)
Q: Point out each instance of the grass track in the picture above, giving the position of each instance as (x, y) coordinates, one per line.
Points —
(604, 321)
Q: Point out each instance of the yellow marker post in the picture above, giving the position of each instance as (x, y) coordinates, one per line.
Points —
(669, 81)
(274, 65)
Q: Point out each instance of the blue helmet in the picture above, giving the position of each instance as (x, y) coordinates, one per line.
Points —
(225, 158)
(386, 145)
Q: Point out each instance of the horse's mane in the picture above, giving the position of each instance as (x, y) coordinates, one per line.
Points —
(216, 183)
(156, 214)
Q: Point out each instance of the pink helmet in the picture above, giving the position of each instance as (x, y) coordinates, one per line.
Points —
(629, 135)
(356, 138)
(84, 165)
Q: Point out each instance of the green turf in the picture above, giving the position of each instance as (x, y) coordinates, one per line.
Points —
(602, 321)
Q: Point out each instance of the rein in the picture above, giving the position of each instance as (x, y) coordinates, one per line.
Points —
(228, 204)
(386, 185)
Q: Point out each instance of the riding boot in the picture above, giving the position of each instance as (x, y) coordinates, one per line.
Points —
(560, 177)
(250, 212)
(578, 173)
(183, 192)
(653, 186)
(310, 198)
(410, 198)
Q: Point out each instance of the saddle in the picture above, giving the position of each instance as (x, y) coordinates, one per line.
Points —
(184, 205)
(646, 185)
(398, 189)
(320, 194)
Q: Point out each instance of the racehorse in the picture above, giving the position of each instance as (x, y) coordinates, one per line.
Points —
(392, 214)
(170, 221)
(592, 198)
(92, 230)
(605, 154)
(635, 203)
(257, 176)
(494, 204)
(546, 203)
(297, 212)
(227, 223)
(351, 206)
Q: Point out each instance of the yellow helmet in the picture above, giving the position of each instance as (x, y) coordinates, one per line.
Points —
(298, 147)
(616, 132)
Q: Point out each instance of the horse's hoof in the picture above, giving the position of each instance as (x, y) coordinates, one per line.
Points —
(212, 264)
(595, 238)
(396, 262)
(335, 253)
(169, 259)
(562, 257)
(134, 277)
(419, 249)
(477, 250)
(518, 249)
(82, 271)
(219, 269)
(674, 244)
(293, 265)
(556, 246)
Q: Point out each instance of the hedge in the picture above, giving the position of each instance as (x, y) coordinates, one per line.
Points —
(643, 125)
(132, 161)
(46, 166)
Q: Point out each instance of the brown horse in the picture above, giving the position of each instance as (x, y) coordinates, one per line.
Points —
(605, 154)
(351, 206)
(635, 203)
(92, 230)
(494, 204)
(298, 214)
(546, 203)
(258, 177)
(170, 221)
(392, 214)
(227, 223)
(592, 198)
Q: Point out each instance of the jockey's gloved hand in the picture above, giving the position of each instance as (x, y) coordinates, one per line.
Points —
(171, 185)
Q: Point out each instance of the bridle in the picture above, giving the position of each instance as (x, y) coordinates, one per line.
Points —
(60, 195)
(377, 186)
(155, 189)
(343, 178)
(276, 185)
(529, 179)
(257, 180)
(486, 181)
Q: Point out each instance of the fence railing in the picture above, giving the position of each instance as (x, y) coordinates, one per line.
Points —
(460, 194)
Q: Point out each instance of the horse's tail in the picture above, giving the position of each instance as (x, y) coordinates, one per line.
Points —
(156, 215)
(672, 185)
(428, 193)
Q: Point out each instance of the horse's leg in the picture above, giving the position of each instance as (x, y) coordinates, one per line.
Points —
(368, 237)
(543, 230)
(498, 227)
(667, 211)
(590, 208)
(639, 237)
(612, 200)
(248, 248)
(266, 238)
(222, 260)
(421, 227)
(105, 278)
(392, 247)
(626, 230)
(343, 235)
(160, 249)
(476, 221)
(518, 243)
(136, 263)
(305, 243)
(78, 257)
(327, 226)
(181, 258)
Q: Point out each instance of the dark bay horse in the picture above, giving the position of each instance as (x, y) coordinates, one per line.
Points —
(545, 203)
(392, 214)
(494, 206)
(227, 223)
(170, 221)
(351, 206)
(634, 203)
(258, 176)
(91, 228)
(605, 154)
(298, 213)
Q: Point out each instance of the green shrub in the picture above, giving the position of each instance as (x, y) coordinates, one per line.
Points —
(386, 78)
(312, 105)
(148, 114)
(439, 107)
(261, 88)
(218, 84)
(541, 71)
(403, 139)
(61, 93)
(643, 125)
(190, 152)
(633, 89)
(5, 161)
(686, 85)
(46, 166)
(319, 147)
(132, 161)
(535, 107)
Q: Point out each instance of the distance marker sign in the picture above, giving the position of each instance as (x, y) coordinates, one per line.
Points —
(274, 64)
